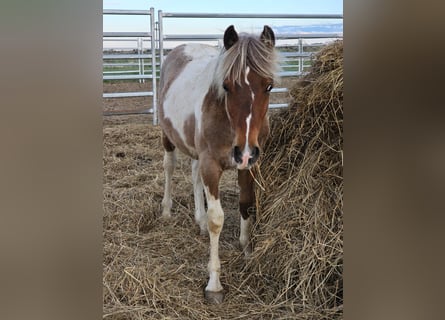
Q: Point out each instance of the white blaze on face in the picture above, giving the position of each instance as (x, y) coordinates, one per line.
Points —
(246, 74)
(248, 83)
(246, 152)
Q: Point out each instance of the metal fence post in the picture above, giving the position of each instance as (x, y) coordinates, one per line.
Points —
(161, 39)
(140, 61)
(300, 50)
(153, 65)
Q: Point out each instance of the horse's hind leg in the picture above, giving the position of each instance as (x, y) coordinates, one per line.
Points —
(198, 193)
(169, 166)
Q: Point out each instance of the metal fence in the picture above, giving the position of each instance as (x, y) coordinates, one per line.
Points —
(139, 56)
(293, 62)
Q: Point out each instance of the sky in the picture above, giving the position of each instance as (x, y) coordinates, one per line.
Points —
(136, 23)
(216, 26)
(242, 6)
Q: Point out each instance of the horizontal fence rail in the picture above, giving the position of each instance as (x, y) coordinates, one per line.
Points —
(140, 63)
(250, 15)
(129, 12)
(127, 34)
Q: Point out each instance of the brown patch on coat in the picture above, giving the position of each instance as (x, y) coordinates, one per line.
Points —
(168, 145)
(175, 138)
(190, 130)
(211, 172)
(217, 135)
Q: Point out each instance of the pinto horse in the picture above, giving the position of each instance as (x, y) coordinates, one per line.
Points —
(212, 107)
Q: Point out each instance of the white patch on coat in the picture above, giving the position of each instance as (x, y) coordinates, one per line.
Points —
(186, 93)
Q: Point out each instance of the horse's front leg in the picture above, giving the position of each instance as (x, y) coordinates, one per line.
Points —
(211, 173)
(246, 207)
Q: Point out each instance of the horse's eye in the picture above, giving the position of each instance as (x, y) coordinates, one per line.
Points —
(225, 88)
(269, 87)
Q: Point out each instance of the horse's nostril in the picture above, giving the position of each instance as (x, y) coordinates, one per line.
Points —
(254, 155)
(237, 155)
(255, 152)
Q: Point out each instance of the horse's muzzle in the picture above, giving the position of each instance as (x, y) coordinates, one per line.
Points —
(245, 159)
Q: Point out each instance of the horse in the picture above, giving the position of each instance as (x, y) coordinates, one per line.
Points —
(213, 108)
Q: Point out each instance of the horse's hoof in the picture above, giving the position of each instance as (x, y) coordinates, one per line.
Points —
(214, 297)
(166, 215)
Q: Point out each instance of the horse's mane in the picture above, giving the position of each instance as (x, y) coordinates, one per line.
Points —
(247, 51)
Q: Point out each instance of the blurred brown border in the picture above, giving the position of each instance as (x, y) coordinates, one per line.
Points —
(394, 159)
(51, 160)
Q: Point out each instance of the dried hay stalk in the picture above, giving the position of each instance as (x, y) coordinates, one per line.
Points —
(299, 231)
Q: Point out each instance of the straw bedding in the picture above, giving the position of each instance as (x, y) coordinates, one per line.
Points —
(156, 269)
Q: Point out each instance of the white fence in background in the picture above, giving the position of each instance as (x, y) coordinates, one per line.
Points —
(149, 48)
(127, 61)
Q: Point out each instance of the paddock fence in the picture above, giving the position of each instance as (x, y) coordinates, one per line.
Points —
(136, 60)
(142, 60)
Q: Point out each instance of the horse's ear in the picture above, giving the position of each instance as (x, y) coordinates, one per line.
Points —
(230, 37)
(268, 37)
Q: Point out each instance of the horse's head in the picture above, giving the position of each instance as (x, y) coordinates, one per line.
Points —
(250, 69)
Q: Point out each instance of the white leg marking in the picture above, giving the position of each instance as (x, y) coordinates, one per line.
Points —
(198, 192)
(244, 238)
(169, 166)
(215, 223)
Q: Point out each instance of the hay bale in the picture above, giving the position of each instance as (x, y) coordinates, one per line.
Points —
(298, 237)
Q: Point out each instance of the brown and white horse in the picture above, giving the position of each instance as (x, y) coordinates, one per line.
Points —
(212, 107)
